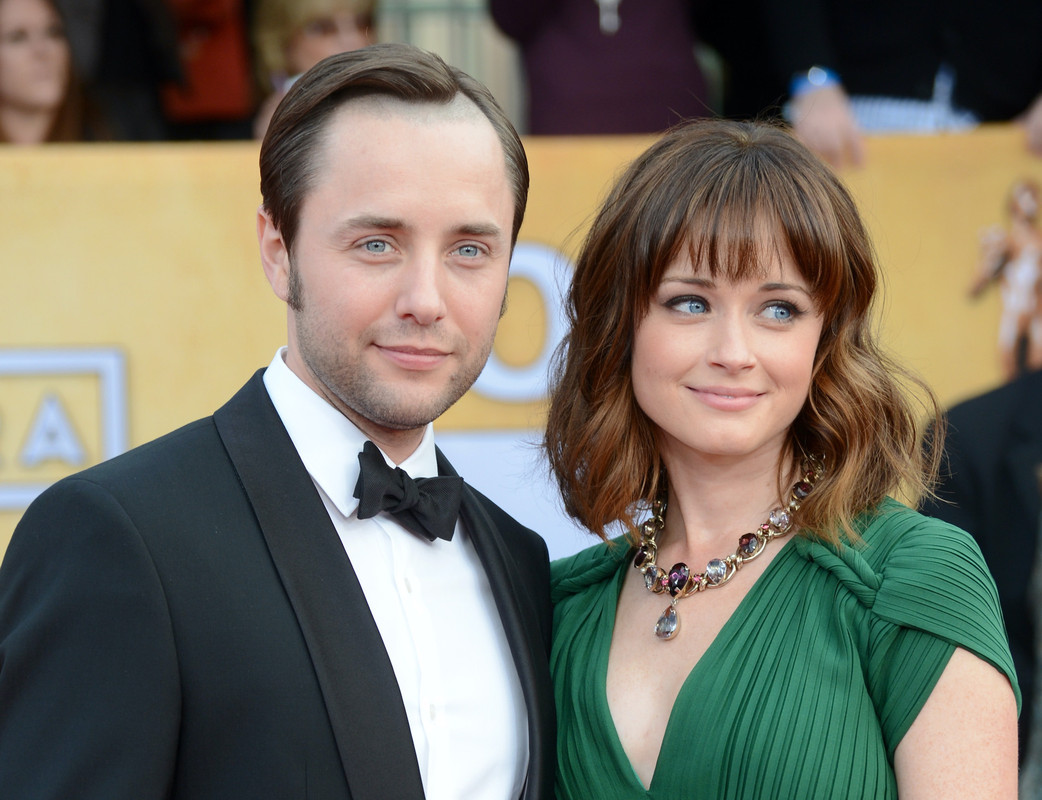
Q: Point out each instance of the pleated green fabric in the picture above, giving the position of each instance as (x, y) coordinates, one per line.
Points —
(810, 685)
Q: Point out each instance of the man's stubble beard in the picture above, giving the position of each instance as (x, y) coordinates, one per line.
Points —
(359, 394)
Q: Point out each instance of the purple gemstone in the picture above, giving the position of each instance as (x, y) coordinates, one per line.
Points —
(678, 576)
(802, 489)
(748, 543)
(641, 557)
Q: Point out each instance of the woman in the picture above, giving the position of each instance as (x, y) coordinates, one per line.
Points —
(722, 373)
(40, 99)
(291, 36)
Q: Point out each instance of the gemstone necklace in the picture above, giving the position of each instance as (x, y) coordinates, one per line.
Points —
(681, 583)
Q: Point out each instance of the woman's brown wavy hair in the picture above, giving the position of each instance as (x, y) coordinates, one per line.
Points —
(715, 187)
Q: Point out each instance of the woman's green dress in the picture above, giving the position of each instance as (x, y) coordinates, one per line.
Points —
(810, 685)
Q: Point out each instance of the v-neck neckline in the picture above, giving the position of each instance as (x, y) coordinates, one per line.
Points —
(726, 632)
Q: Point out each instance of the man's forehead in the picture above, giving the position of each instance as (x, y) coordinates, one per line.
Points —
(365, 124)
(354, 120)
(385, 133)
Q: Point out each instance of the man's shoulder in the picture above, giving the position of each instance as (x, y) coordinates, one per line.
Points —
(1009, 397)
(188, 441)
(141, 475)
(982, 426)
(523, 542)
(191, 443)
(502, 521)
(181, 460)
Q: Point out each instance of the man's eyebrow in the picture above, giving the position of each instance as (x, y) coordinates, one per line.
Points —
(373, 221)
(369, 221)
(480, 229)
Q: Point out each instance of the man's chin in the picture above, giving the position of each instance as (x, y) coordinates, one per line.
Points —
(406, 415)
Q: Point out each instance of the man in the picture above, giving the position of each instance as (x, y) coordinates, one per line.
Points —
(227, 612)
(989, 487)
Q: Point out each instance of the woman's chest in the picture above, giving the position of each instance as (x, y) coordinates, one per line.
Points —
(761, 694)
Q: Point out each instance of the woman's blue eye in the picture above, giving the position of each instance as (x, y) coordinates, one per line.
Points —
(783, 312)
(690, 305)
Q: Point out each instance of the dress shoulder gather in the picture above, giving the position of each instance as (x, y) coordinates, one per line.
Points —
(918, 572)
(575, 574)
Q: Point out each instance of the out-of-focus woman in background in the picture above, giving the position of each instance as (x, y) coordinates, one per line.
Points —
(41, 99)
(291, 36)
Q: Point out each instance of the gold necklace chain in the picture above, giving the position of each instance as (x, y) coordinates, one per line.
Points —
(680, 582)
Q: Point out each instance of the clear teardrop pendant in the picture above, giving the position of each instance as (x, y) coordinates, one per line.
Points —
(668, 623)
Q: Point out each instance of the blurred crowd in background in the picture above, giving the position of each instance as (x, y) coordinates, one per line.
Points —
(161, 70)
(146, 70)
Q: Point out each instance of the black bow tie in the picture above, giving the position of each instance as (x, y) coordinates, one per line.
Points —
(426, 506)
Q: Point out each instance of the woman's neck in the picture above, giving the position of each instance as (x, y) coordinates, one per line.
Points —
(710, 505)
(24, 126)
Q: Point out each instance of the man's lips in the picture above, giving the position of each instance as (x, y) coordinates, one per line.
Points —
(411, 357)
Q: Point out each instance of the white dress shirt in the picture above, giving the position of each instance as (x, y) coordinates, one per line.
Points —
(433, 605)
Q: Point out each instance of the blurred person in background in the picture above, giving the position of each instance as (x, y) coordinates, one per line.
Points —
(989, 487)
(1012, 259)
(41, 99)
(125, 51)
(291, 36)
(215, 97)
(844, 68)
(606, 67)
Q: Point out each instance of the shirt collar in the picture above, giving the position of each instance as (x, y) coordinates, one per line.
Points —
(328, 442)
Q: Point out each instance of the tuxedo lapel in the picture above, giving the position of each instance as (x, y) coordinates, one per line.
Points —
(355, 674)
(521, 630)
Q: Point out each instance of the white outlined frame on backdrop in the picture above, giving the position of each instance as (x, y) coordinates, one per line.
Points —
(108, 364)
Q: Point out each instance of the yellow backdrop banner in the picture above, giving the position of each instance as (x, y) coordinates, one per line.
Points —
(134, 301)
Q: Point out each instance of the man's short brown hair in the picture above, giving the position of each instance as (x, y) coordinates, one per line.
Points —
(288, 155)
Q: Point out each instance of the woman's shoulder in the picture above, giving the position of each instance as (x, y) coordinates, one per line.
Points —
(913, 572)
(905, 557)
(574, 574)
(891, 532)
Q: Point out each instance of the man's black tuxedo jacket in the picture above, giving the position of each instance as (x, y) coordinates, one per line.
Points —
(182, 621)
(989, 488)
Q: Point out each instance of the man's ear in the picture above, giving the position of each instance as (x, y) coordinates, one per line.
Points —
(274, 254)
